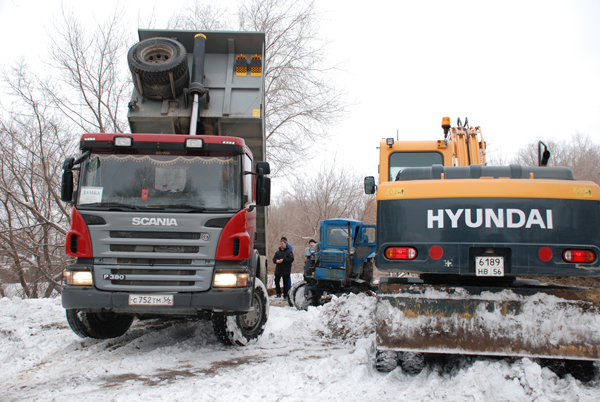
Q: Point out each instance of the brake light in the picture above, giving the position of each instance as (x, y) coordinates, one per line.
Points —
(584, 256)
(400, 253)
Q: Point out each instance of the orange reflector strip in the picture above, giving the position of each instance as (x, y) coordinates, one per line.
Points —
(400, 253)
(585, 256)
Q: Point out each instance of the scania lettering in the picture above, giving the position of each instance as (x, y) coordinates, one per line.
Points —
(154, 221)
(468, 233)
(170, 221)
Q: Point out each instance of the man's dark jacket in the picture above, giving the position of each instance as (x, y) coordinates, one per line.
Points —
(285, 268)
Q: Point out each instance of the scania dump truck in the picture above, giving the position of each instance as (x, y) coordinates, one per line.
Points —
(475, 238)
(170, 220)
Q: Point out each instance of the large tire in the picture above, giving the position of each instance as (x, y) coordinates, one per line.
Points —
(291, 292)
(412, 363)
(98, 325)
(244, 328)
(302, 298)
(152, 60)
(386, 360)
(367, 272)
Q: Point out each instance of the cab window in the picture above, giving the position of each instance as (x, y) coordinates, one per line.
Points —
(401, 160)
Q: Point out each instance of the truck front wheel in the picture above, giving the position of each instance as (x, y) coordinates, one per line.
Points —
(244, 328)
(98, 325)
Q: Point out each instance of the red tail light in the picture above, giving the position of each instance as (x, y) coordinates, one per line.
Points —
(400, 253)
(585, 256)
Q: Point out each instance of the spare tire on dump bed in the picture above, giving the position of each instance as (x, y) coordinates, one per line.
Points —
(151, 62)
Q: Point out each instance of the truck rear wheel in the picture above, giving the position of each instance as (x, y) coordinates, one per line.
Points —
(244, 328)
(98, 325)
(152, 61)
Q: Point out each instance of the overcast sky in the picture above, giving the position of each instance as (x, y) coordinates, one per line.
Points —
(522, 70)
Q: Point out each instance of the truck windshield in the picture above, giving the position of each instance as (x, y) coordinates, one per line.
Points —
(401, 160)
(337, 236)
(161, 181)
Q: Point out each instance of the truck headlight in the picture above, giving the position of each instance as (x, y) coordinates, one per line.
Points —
(78, 278)
(231, 279)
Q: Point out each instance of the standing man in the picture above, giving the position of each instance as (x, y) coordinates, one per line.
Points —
(283, 267)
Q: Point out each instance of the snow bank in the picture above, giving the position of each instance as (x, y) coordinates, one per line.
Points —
(324, 354)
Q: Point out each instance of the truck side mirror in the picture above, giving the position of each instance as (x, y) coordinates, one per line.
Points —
(66, 185)
(370, 186)
(263, 184)
(264, 166)
(263, 191)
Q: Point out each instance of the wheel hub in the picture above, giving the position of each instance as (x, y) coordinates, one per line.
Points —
(252, 318)
(157, 54)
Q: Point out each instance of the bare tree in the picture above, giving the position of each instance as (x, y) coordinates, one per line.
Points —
(90, 87)
(579, 153)
(198, 15)
(85, 90)
(34, 221)
(301, 99)
(333, 193)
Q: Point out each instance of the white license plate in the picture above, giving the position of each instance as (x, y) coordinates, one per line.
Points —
(150, 300)
(489, 266)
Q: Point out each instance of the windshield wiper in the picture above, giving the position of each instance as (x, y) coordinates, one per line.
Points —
(194, 208)
(110, 205)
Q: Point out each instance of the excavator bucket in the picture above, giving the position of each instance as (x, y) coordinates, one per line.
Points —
(524, 319)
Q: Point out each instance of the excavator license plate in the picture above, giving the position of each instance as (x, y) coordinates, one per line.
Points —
(489, 266)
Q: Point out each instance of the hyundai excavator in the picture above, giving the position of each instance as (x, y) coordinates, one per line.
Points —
(475, 240)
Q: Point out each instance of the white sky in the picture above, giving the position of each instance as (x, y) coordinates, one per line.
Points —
(522, 70)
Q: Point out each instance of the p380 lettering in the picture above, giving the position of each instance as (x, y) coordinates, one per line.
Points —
(114, 277)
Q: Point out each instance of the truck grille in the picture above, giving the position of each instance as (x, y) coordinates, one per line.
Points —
(333, 257)
(122, 234)
(132, 248)
(148, 261)
(152, 278)
(140, 258)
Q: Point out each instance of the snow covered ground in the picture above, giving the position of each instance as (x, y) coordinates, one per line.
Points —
(323, 354)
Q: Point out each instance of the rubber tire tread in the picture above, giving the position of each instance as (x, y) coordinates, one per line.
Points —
(367, 272)
(156, 83)
(292, 292)
(88, 325)
(225, 326)
(300, 285)
(386, 360)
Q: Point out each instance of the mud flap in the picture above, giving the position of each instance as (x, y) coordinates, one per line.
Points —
(524, 319)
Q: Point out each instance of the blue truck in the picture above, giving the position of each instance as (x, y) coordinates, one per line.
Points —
(341, 262)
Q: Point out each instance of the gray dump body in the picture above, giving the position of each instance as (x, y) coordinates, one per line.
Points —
(233, 107)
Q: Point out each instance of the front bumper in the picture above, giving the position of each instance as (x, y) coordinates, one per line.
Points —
(91, 299)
